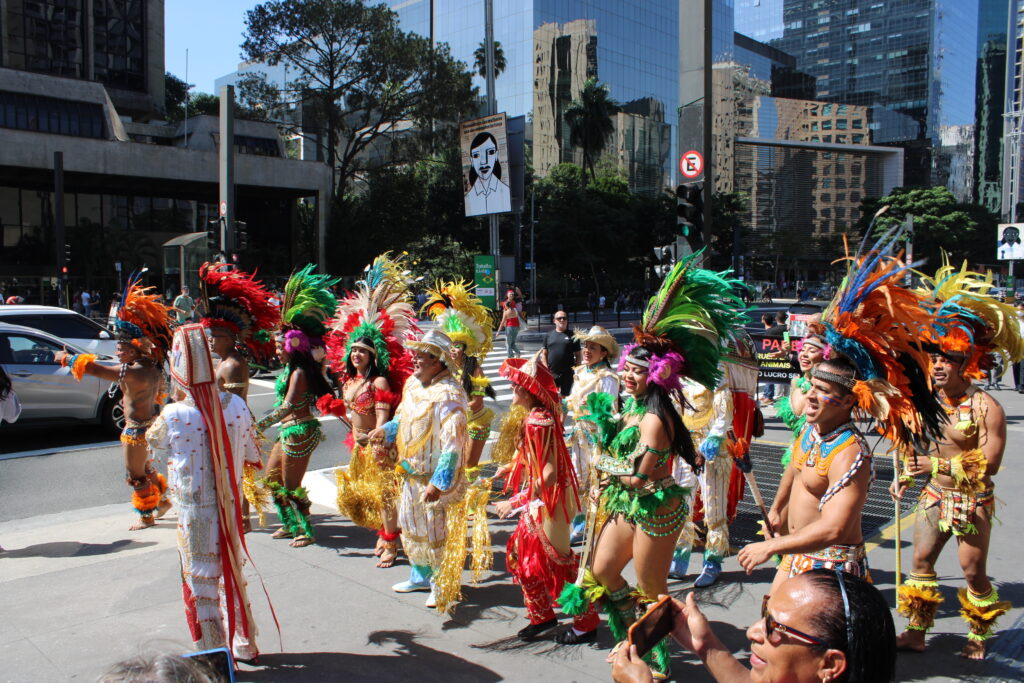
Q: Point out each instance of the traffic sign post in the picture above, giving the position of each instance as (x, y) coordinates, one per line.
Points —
(691, 164)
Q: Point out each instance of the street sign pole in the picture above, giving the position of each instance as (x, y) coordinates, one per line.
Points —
(226, 172)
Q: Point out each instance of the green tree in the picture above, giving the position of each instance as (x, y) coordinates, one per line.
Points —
(963, 230)
(480, 59)
(439, 257)
(357, 75)
(203, 103)
(727, 215)
(590, 121)
(175, 95)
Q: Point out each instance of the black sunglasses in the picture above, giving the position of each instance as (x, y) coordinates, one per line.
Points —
(771, 627)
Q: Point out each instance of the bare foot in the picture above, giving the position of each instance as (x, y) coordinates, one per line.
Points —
(974, 649)
(162, 508)
(301, 541)
(911, 639)
(145, 521)
(281, 533)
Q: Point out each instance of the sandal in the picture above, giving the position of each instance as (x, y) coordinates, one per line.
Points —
(389, 553)
(301, 541)
(281, 533)
(381, 543)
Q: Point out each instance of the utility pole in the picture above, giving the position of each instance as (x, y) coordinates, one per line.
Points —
(492, 106)
(533, 258)
(709, 122)
(226, 163)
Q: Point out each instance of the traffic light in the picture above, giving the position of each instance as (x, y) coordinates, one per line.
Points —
(67, 253)
(664, 259)
(241, 236)
(213, 234)
(690, 208)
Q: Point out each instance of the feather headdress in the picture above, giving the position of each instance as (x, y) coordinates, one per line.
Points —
(461, 315)
(969, 321)
(307, 306)
(237, 301)
(143, 321)
(879, 326)
(378, 311)
(686, 324)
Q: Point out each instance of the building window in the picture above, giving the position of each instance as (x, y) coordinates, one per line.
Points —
(264, 147)
(50, 115)
(119, 43)
(47, 36)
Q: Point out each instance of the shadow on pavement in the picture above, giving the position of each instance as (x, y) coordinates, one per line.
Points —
(408, 659)
(75, 549)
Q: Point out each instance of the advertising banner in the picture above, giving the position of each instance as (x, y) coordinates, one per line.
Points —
(485, 165)
(484, 277)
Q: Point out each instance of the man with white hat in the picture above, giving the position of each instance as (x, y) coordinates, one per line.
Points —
(595, 375)
(429, 430)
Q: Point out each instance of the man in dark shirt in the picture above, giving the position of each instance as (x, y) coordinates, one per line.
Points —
(561, 352)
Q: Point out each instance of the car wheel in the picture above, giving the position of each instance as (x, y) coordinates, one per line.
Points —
(112, 416)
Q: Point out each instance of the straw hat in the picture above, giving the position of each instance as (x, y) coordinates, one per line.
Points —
(437, 344)
(600, 336)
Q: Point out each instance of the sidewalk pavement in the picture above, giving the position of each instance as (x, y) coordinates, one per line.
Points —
(81, 592)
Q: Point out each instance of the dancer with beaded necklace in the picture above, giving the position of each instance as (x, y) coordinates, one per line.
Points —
(366, 351)
(646, 509)
(958, 499)
(307, 305)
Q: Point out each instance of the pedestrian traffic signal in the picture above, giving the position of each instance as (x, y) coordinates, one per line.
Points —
(690, 208)
(241, 236)
(213, 234)
(664, 259)
(67, 253)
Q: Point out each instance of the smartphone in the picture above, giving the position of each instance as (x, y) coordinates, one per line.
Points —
(218, 661)
(652, 627)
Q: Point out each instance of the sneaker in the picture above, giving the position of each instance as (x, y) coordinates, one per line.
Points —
(708, 575)
(410, 587)
(534, 630)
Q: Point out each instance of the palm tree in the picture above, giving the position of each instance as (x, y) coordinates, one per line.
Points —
(480, 59)
(590, 121)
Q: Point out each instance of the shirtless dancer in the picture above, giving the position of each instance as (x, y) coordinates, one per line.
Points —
(144, 335)
(238, 316)
(959, 498)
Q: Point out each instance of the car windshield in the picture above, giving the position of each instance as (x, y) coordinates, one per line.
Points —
(65, 326)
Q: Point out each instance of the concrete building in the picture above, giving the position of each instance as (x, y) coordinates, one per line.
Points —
(82, 81)
(993, 16)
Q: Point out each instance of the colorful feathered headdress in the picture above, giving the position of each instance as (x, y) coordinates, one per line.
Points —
(880, 326)
(686, 324)
(461, 315)
(306, 309)
(969, 321)
(143, 320)
(238, 302)
(379, 311)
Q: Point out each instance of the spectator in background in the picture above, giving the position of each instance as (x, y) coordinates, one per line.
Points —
(184, 306)
(561, 352)
(511, 315)
(86, 300)
(76, 301)
(1018, 368)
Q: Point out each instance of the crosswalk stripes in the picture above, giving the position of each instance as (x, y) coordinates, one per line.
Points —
(502, 387)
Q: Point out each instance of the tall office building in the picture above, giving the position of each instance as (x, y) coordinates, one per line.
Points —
(993, 16)
(907, 55)
(551, 47)
(1013, 130)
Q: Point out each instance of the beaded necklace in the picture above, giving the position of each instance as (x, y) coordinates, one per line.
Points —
(963, 408)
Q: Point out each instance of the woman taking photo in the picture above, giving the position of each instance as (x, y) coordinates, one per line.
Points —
(366, 351)
(307, 304)
(680, 336)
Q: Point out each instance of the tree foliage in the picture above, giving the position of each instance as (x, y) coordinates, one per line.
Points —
(356, 76)
(175, 93)
(480, 59)
(590, 121)
(963, 230)
(439, 257)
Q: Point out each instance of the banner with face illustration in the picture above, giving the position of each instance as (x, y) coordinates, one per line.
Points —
(485, 165)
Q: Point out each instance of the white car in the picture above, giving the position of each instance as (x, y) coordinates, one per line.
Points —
(47, 391)
(85, 333)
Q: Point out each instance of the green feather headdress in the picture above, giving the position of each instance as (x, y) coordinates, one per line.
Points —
(688, 323)
(308, 302)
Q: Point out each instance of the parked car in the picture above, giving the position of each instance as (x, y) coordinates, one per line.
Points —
(84, 333)
(47, 391)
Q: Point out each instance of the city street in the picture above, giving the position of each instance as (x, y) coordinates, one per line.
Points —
(83, 592)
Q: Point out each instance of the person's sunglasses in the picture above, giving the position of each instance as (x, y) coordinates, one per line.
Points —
(562, 318)
(771, 627)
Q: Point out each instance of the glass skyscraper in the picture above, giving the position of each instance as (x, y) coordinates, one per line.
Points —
(906, 55)
(551, 47)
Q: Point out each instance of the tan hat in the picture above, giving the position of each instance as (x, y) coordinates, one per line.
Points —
(600, 336)
(437, 344)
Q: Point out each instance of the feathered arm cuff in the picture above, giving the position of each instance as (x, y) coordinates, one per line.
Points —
(711, 446)
(480, 385)
(444, 473)
(390, 430)
(79, 364)
(328, 405)
(600, 408)
(385, 399)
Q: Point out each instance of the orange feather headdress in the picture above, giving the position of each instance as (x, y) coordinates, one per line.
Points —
(143, 321)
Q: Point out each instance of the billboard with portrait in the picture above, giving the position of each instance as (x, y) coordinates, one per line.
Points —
(485, 165)
(1010, 243)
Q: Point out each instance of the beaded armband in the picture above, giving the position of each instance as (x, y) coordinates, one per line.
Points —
(941, 466)
(628, 466)
(274, 416)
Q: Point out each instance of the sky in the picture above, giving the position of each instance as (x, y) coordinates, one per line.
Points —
(211, 31)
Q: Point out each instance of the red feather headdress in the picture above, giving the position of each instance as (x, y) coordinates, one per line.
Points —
(237, 301)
